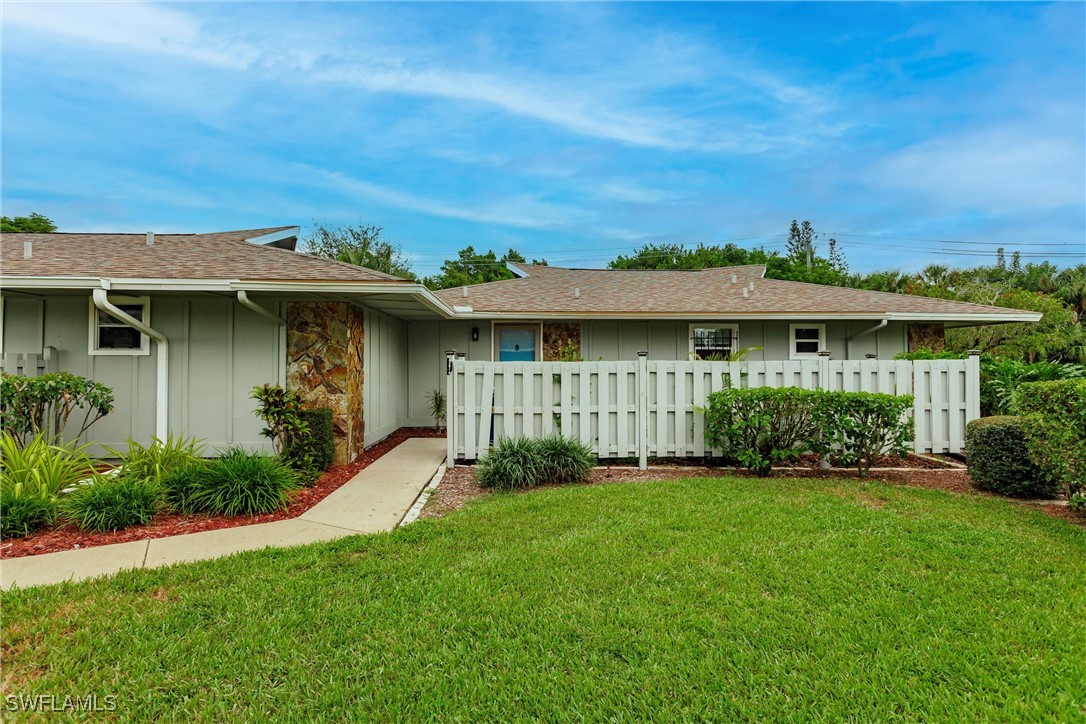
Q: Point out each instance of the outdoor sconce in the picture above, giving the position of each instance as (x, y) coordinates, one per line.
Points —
(474, 334)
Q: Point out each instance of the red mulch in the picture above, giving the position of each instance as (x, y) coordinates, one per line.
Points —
(459, 485)
(68, 537)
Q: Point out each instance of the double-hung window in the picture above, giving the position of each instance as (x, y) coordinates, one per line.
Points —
(111, 336)
(806, 340)
(713, 341)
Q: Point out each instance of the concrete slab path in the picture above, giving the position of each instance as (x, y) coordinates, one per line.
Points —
(374, 500)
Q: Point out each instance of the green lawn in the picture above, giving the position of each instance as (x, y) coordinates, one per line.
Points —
(708, 598)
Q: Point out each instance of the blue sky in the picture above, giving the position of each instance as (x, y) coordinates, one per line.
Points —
(569, 131)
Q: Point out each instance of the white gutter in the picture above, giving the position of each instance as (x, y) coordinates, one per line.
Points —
(243, 298)
(848, 340)
(162, 350)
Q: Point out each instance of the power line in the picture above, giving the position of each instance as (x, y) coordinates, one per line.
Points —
(1004, 244)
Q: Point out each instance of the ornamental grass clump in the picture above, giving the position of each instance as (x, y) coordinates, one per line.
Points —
(161, 456)
(240, 483)
(514, 463)
(22, 515)
(564, 459)
(113, 502)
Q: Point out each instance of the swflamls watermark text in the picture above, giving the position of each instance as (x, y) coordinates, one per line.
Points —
(52, 702)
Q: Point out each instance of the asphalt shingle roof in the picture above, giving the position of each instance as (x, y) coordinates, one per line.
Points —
(601, 292)
(219, 255)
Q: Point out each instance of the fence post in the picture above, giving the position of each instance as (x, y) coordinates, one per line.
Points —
(450, 408)
(972, 386)
(824, 369)
(642, 409)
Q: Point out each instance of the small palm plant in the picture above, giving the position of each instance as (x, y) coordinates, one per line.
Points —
(438, 408)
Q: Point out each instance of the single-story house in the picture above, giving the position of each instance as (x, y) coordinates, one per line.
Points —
(182, 326)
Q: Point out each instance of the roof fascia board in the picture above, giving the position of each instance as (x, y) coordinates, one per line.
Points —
(875, 316)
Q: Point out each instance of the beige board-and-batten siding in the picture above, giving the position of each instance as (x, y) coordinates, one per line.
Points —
(648, 407)
(218, 351)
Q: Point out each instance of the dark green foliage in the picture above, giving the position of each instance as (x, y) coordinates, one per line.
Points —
(360, 245)
(313, 452)
(42, 405)
(472, 267)
(513, 463)
(565, 460)
(23, 514)
(34, 224)
(859, 427)
(240, 483)
(113, 502)
(177, 487)
(924, 353)
(288, 427)
(1001, 377)
(761, 426)
(999, 460)
(1056, 437)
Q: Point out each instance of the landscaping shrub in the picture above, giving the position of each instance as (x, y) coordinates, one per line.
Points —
(761, 426)
(312, 453)
(39, 469)
(513, 463)
(161, 456)
(177, 487)
(998, 459)
(23, 514)
(41, 405)
(860, 427)
(1056, 434)
(240, 483)
(1000, 378)
(564, 459)
(113, 502)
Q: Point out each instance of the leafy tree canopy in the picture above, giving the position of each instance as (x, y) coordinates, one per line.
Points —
(472, 267)
(360, 245)
(33, 224)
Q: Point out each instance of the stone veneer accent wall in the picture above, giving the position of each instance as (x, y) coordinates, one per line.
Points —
(324, 365)
(929, 336)
(556, 335)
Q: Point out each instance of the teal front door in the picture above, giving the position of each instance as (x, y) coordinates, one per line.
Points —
(517, 344)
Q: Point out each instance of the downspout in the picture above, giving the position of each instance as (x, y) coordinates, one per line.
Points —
(243, 299)
(162, 350)
(848, 340)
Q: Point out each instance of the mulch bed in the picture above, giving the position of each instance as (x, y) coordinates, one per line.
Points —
(68, 537)
(458, 486)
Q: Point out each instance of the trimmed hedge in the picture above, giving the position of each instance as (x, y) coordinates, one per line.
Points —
(1056, 435)
(316, 449)
(861, 427)
(998, 458)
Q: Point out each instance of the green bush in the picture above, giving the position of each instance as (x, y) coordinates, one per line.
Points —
(1056, 438)
(1001, 377)
(239, 483)
(23, 514)
(762, 426)
(860, 427)
(161, 456)
(513, 463)
(313, 452)
(113, 502)
(565, 460)
(998, 458)
(177, 487)
(39, 469)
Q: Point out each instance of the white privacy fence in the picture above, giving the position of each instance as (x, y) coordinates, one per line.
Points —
(643, 408)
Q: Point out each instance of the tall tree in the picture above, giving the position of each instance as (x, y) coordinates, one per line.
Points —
(677, 256)
(360, 245)
(472, 267)
(33, 224)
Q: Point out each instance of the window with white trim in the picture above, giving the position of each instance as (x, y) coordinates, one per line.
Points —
(806, 340)
(713, 341)
(109, 335)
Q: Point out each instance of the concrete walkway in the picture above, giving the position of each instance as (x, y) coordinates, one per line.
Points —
(374, 500)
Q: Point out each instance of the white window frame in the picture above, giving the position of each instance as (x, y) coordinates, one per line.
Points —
(716, 325)
(792, 353)
(145, 342)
